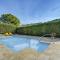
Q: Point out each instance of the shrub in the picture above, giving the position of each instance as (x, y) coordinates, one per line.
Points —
(7, 28)
(41, 29)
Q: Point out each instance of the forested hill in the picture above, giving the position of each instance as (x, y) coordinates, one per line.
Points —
(53, 21)
(40, 29)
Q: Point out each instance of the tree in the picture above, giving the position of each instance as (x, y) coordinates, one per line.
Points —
(9, 19)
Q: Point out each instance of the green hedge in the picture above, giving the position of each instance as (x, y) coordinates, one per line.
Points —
(41, 29)
(7, 28)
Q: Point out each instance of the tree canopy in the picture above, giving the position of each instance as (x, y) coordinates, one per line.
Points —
(9, 19)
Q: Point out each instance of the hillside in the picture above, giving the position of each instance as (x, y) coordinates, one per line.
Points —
(40, 29)
(53, 21)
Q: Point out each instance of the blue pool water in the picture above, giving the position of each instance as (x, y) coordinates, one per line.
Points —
(17, 43)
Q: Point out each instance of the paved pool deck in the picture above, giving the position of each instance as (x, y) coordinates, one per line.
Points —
(49, 40)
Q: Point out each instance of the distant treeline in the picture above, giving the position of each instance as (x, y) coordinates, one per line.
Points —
(41, 29)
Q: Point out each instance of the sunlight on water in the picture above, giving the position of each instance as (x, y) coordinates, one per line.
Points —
(20, 46)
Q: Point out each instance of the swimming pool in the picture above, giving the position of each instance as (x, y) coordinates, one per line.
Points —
(19, 42)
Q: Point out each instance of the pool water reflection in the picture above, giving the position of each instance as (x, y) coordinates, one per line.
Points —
(17, 43)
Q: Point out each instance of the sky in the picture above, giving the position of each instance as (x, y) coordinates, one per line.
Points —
(31, 11)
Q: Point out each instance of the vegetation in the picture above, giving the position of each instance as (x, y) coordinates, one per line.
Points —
(10, 19)
(8, 23)
(7, 28)
(41, 29)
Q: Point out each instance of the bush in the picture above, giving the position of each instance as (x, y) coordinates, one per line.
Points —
(41, 29)
(7, 28)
